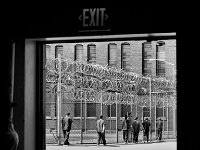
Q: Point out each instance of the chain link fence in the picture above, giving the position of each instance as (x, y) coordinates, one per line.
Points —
(87, 96)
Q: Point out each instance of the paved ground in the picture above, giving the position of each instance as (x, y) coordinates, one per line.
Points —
(92, 137)
(164, 145)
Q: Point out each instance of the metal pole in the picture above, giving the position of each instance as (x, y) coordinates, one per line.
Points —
(110, 118)
(131, 106)
(173, 75)
(142, 113)
(174, 109)
(150, 109)
(85, 115)
(136, 107)
(167, 118)
(163, 118)
(81, 121)
(175, 121)
(131, 115)
(59, 101)
(101, 102)
(155, 113)
(128, 117)
(116, 119)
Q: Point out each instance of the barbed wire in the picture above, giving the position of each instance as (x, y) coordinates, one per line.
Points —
(129, 87)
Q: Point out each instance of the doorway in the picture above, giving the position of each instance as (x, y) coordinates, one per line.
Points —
(74, 89)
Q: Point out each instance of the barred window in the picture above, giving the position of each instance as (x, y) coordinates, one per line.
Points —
(77, 109)
(111, 110)
(125, 109)
(91, 109)
(91, 53)
(146, 112)
(159, 112)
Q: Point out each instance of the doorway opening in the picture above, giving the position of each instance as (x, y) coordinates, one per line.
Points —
(86, 77)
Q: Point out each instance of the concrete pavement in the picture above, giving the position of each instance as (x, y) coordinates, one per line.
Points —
(155, 145)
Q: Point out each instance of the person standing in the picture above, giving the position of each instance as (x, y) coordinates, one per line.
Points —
(125, 129)
(136, 129)
(66, 127)
(159, 129)
(101, 131)
(129, 126)
(146, 124)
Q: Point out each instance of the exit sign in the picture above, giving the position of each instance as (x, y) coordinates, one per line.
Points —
(94, 19)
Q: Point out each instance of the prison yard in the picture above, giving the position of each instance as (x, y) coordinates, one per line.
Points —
(85, 88)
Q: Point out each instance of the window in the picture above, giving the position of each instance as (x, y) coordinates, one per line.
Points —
(146, 112)
(91, 53)
(77, 109)
(159, 112)
(112, 111)
(78, 52)
(160, 68)
(146, 54)
(112, 55)
(125, 109)
(91, 110)
(160, 54)
(125, 56)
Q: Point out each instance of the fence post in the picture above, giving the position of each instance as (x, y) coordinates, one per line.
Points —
(163, 118)
(110, 116)
(167, 118)
(85, 115)
(81, 120)
(155, 113)
(101, 101)
(150, 109)
(136, 107)
(174, 121)
(116, 119)
(59, 100)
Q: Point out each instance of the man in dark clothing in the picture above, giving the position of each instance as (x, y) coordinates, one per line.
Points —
(101, 130)
(125, 129)
(129, 120)
(66, 127)
(146, 124)
(136, 129)
(159, 129)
